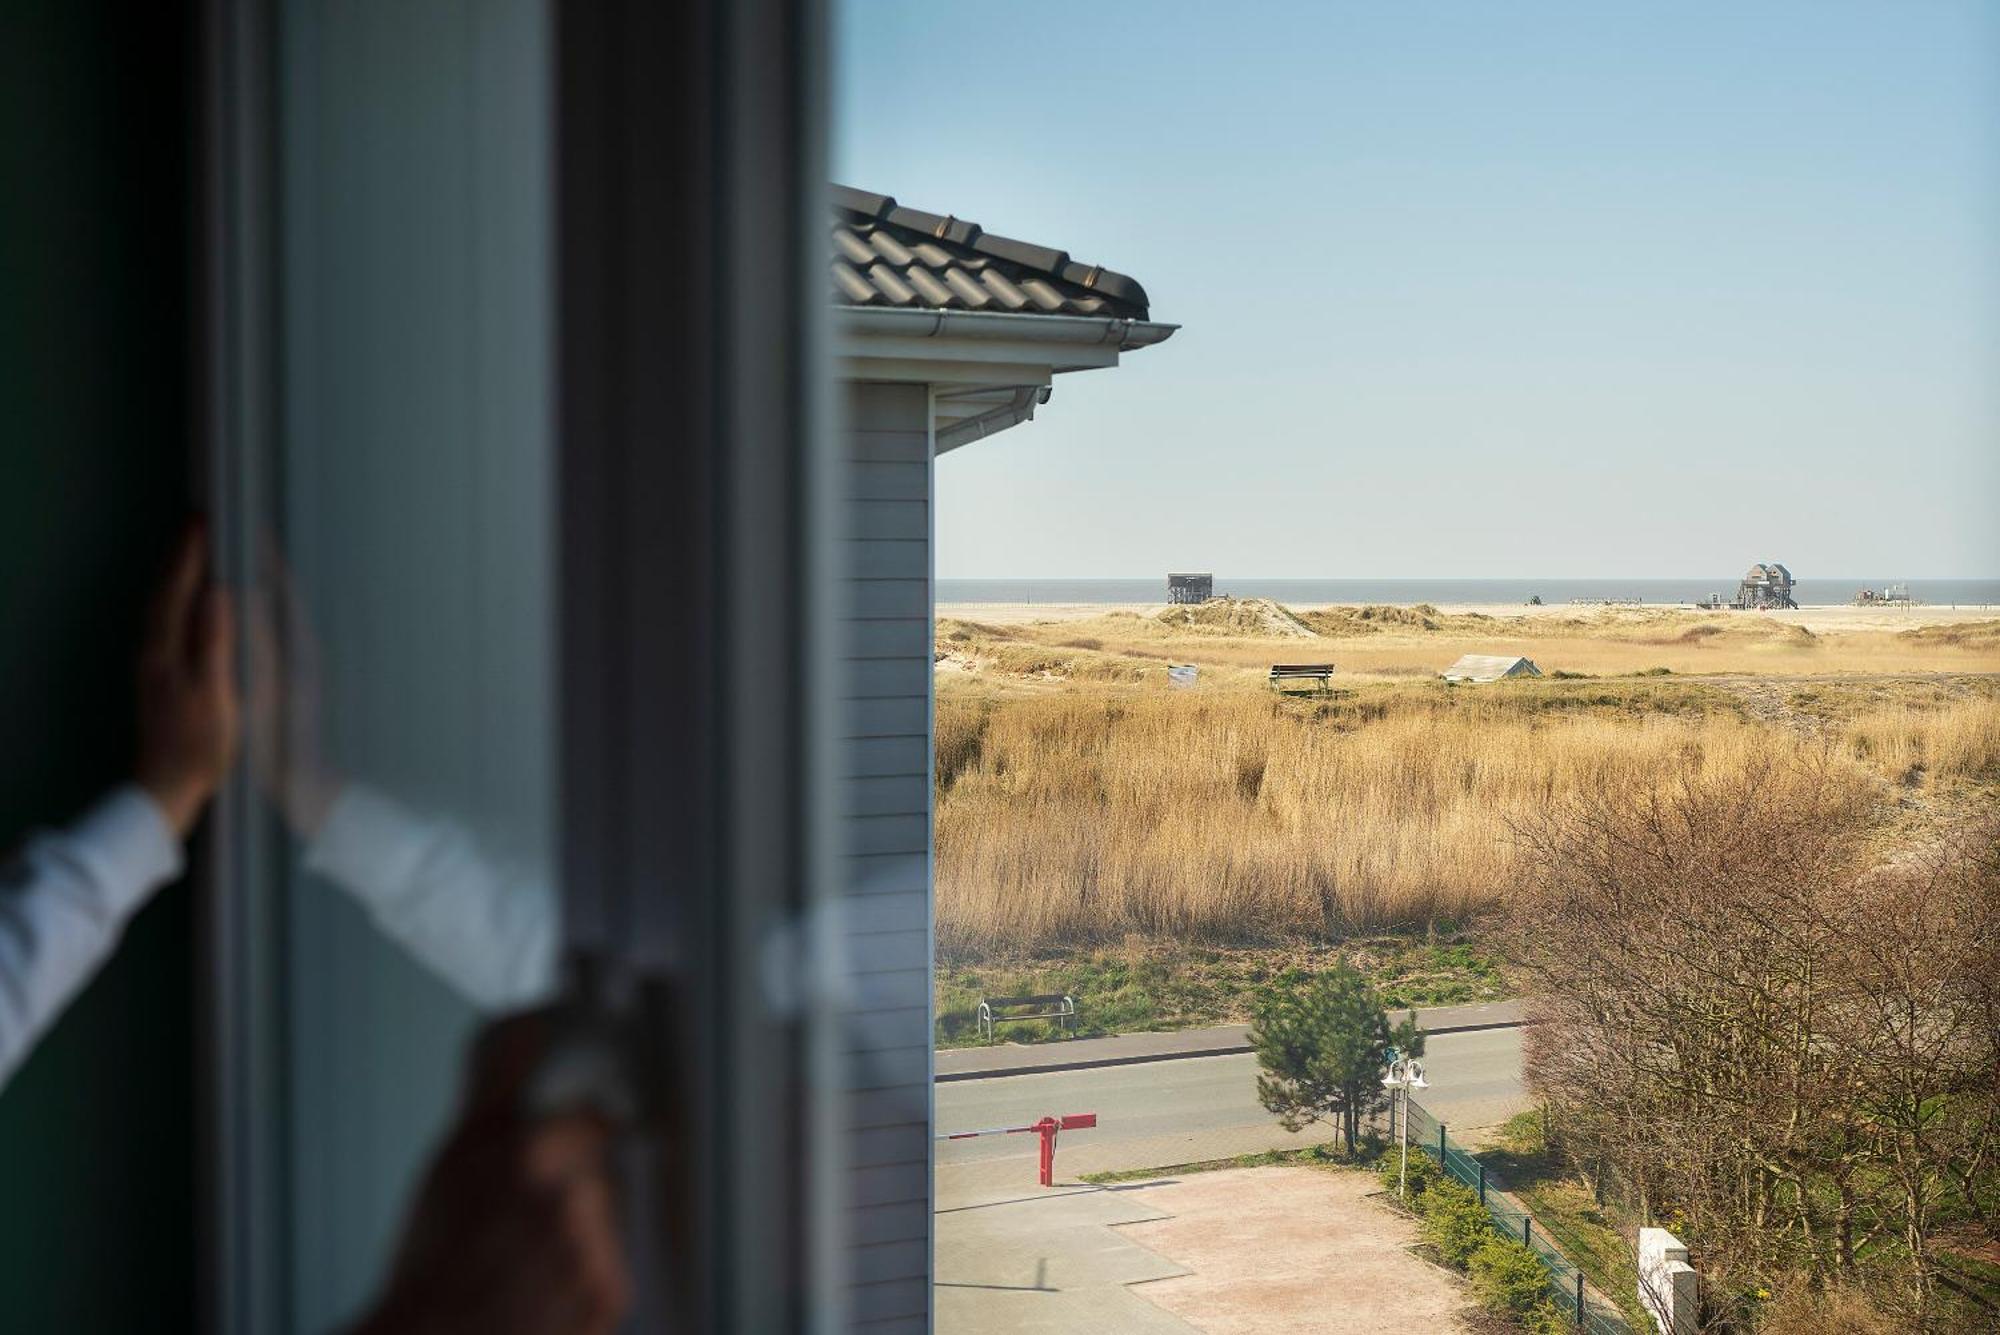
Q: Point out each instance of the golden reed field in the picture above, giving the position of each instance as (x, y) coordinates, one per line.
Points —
(1081, 800)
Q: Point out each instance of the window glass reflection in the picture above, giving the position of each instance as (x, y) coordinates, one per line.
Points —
(400, 633)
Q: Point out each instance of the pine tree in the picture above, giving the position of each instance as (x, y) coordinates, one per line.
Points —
(1323, 1042)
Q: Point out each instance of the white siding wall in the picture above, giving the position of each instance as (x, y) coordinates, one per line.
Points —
(886, 770)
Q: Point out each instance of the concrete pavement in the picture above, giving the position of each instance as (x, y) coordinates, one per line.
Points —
(1307, 1251)
(1046, 1259)
(1013, 1256)
(1230, 1252)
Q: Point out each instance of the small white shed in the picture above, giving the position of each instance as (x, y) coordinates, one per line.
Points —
(1490, 667)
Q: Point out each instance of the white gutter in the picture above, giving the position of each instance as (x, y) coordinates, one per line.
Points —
(1000, 326)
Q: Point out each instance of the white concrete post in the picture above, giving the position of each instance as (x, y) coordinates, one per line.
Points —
(1666, 1282)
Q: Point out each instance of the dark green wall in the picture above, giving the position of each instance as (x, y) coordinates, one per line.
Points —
(96, 1130)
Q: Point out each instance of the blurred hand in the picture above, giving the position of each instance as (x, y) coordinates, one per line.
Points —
(286, 759)
(515, 1231)
(189, 710)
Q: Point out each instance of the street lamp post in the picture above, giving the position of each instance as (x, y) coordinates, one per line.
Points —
(1405, 1074)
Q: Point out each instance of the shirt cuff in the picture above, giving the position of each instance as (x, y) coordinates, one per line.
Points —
(132, 847)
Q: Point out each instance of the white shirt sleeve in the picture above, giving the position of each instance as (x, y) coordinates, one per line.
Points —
(487, 929)
(65, 900)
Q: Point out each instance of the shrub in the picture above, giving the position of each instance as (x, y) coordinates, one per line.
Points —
(1423, 1173)
(1800, 1308)
(1455, 1222)
(1843, 990)
(1510, 1278)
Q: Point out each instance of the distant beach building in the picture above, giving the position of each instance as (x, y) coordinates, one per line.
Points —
(1490, 667)
(1893, 595)
(1190, 588)
(1765, 588)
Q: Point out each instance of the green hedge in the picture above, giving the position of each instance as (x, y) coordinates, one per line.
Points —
(1509, 1278)
(1456, 1223)
(1423, 1172)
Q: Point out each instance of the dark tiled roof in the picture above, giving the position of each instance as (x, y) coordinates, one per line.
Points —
(887, 255)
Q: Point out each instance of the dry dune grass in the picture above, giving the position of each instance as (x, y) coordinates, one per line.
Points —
(1247, 635)
(1086, 814)
(1235, 616)
(1906, 742)
(1963, 635)
(968, 646)
(1374, 619)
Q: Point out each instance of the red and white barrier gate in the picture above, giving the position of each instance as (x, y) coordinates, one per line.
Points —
(1046, 1128)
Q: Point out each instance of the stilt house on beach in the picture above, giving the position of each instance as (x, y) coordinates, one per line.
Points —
(1766, 587)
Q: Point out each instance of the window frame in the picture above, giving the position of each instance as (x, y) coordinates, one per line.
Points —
(695, 563)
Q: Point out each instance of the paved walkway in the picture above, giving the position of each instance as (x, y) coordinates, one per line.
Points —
(1135, 1049)
(1022, 1258)
(1293, 1249)
(1261, 1249)
(1175, 1255)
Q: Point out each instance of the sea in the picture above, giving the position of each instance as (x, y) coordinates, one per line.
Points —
(1315, 592)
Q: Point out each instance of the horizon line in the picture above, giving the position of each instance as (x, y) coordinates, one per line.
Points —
(1420, 579)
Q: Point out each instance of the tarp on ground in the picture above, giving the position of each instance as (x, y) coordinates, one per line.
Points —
(1491, 667)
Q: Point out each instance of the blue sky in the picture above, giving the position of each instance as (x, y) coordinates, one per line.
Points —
(1474, 289)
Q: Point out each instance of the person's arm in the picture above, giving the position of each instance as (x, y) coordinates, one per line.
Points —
(63, 903)
(65, 898)
(484, 925)
(486, 928)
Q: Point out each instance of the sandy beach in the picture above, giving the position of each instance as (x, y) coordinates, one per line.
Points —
(1819, 619)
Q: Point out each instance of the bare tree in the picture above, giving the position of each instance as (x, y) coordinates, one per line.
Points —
(1760, 1031)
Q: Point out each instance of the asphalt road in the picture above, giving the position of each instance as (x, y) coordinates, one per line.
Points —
(1168, 1112)
(978, 1063)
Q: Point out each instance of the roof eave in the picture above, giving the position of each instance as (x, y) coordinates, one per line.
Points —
(1118, 333)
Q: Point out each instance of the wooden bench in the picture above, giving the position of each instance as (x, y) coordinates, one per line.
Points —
(1319, 672)
(999, 1010)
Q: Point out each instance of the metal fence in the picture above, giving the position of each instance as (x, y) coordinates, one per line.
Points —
(1566, 1282)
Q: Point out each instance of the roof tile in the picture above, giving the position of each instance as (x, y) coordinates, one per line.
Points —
(971, 293)
(851, 247)
(890, 249)
(1010, 296)
(1043, 294)
(928, 289)
(892, 290)
(888, 255)
(849, 285)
